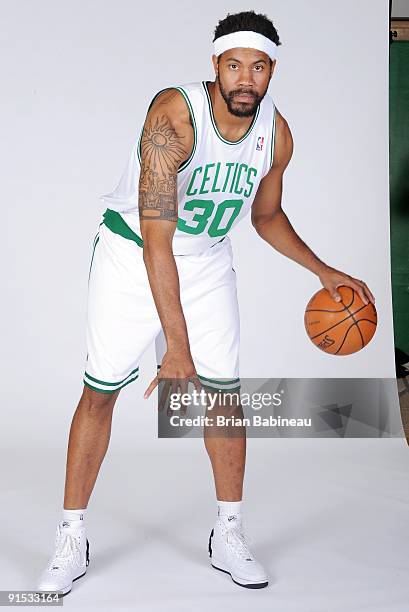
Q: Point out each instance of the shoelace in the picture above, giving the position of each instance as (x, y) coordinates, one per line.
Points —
(236, 540)
(67, 550)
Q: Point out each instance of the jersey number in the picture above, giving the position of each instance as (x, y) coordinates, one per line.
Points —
(205, 209)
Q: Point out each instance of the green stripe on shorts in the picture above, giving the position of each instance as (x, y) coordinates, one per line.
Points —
(227, 384)
(109, 387)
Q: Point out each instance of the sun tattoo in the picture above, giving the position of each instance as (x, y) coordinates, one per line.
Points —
(162, 147)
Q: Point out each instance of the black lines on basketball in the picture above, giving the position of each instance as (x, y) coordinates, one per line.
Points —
(338, 322)
(345, 306)
(325, 310)
(345, 337)
(336, 328)
(352, 314)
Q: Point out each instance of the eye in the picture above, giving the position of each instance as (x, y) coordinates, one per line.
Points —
(233, 66)
(259, 68)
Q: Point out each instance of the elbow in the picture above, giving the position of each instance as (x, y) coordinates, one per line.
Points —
(257, 228)
(255, 222)
(260, 223)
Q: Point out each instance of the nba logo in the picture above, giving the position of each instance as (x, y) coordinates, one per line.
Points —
(260, 142)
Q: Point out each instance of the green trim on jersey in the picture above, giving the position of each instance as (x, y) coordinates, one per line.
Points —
(116, 224)
(192, 116)
(229, 142)
(273, 137)
(96, 240)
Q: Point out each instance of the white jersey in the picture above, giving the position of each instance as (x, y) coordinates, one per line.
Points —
(216, 185)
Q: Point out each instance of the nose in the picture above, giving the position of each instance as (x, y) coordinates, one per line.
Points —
(246, 77)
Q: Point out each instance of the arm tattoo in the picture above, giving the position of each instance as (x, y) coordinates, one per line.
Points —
(162, 154)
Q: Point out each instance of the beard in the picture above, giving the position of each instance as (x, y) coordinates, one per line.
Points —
(241, 109)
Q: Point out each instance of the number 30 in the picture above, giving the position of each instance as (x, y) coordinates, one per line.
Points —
(206, 208)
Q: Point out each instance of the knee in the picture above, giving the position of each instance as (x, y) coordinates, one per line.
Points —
(98, 403)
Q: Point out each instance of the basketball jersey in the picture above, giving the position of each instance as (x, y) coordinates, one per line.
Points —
(216, 185)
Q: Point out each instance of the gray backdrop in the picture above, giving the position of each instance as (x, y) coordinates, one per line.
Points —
(77, 78)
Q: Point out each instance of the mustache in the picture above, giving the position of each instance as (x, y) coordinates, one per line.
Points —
(240, 92)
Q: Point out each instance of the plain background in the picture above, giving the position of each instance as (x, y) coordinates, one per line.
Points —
(76, 80)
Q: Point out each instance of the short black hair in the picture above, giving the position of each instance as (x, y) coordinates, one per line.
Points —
(249, 21)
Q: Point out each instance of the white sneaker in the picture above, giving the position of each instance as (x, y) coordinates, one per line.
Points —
(229, 553)
(68, 563)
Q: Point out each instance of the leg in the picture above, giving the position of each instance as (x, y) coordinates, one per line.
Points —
(226, 447)
(122, 321)
(209, 300)
(88, 442)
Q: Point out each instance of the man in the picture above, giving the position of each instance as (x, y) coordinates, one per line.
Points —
(162, 269)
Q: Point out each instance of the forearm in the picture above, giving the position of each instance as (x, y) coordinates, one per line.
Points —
(280, 234)
(164, 281)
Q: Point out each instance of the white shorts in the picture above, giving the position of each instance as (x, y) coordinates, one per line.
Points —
(122, 320)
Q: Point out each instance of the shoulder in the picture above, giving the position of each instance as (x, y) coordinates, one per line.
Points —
(171, 104)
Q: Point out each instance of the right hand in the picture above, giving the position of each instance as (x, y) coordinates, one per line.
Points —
(177, 369)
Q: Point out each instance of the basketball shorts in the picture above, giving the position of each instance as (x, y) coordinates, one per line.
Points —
(122, 320)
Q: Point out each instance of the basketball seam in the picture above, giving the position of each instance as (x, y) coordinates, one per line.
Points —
(355, 321)
(339, 322)
(345, 337)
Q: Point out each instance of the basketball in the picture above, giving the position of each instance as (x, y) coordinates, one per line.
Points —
(340, 328)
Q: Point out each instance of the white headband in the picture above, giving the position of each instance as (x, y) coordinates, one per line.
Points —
(245, 38)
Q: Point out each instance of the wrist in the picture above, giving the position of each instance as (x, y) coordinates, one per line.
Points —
(321, 268)
(178, 345)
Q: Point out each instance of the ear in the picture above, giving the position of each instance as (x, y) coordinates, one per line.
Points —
(215, 66)
(273, 65)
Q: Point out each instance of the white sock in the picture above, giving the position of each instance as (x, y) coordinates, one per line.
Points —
(229, 512)
(73, 518)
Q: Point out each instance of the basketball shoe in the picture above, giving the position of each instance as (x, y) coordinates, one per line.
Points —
(68, 562)
(229, 553)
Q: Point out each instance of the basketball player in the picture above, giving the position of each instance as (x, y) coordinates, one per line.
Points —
(208, 153)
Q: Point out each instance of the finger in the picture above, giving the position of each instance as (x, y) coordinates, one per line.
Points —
(174, 384)
(369, 295)
(360, 291)
(198, 385)
(185, 385)
(173, 397)
(151, 387)
(164, 394)
(334, 293)
(354, 284)
(184, 390)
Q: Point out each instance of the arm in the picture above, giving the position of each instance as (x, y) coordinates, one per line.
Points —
(272, 224)
(167, 140)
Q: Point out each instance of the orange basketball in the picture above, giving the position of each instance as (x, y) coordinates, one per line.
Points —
(340, 328)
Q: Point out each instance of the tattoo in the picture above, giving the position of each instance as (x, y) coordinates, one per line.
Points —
(162, 154)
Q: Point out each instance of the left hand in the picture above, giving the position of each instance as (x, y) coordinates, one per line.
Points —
(331, 279)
